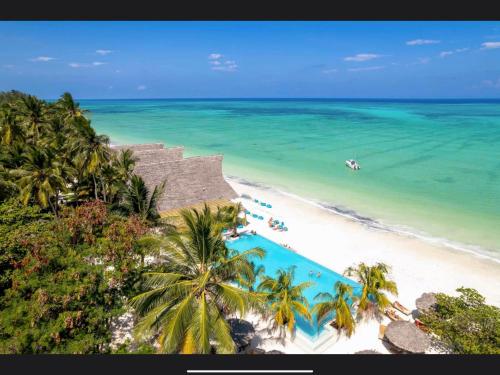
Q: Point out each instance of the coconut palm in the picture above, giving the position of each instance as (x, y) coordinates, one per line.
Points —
(137, 200)
(33, 113)
(340, 304)
(69, 110)
(230, 216)
(10, 129)
(374, 281)
(93, 152)
(189, 302)
(124, 164)
(285, 299)
(41, 178)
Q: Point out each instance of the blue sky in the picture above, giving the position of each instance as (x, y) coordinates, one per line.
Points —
(252, 59)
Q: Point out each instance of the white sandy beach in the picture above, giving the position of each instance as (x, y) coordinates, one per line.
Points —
(337, 242)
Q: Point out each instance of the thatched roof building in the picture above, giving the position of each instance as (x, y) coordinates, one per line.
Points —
(405, 337)
(425, 302)
(188, 180)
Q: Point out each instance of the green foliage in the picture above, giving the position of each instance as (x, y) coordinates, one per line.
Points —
(188, 302)
(17, 222)
(340, 305)
(64, 279)
(137, 200)
(285, 299)
(374, 280)
(465, 324)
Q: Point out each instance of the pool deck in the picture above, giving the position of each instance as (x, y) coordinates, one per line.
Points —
(329, 341)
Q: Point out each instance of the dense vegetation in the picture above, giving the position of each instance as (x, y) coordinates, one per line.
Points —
(75, 228)
(465, 324)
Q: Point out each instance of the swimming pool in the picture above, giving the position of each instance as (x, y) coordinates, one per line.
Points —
(278, 257)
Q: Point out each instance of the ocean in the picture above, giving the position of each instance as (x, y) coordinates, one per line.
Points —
(429, 168)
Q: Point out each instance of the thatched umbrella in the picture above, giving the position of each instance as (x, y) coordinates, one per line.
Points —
(406, 337)
(425, 302)
(255, 351)
(274, 352)
(242, 332)
(367, 352)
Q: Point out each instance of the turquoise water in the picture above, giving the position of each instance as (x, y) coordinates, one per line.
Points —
(430, 168)
(279, 257)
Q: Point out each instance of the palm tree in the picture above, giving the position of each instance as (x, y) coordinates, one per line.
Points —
(124, 164)
(10, 129)
(340, 304)
(137, 200)
(41, 178)
(93, 151)
(374, 281)
(189, 302)
(34, 115)
(285, 299)
(69, 110)
(229, 216)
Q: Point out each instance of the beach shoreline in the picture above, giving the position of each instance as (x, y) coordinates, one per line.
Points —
(417, 266)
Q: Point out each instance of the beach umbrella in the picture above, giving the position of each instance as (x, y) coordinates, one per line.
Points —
(406, 337)
(425, 302)
(255, 351)
(368, 352)
(242, 332)
(274, 352)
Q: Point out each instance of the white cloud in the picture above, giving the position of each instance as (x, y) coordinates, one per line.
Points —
(103, 52)
(217, 63)
(490, 45)
(330, 71)
(86, 65)
(365, 69)
(43, 58)
(141, 87)
(362, 57)
(448, 53)
(445, 53)
(424, 60)
(9, 66)
(226, 68)
(421, 42)
(491, 83)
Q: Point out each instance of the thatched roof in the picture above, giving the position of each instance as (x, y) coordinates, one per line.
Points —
(368, 352)
(406, 337)
(274, 352)
(425, 302)
(242, 332)
(256, 351)
(189, 181)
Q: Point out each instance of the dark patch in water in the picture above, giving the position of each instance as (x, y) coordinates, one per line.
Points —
(445, 180)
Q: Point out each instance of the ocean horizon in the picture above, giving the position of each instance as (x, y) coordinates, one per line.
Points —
(430, 167)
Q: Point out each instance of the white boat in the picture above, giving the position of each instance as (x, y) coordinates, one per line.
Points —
(353, 164)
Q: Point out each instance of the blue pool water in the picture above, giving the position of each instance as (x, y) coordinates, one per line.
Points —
(279, 257)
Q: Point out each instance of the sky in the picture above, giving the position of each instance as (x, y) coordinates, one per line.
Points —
(358, 59)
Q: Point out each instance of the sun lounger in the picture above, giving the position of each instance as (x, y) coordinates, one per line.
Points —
(421, 325)
(381, 331)
(401, 308)
(391, 314)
